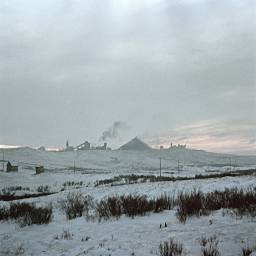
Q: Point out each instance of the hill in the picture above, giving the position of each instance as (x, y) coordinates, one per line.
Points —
(135, 144)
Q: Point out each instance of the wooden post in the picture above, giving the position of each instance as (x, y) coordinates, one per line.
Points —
(160, 166)
(3, 160)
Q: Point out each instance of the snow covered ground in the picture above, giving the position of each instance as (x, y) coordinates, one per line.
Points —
(126, 236)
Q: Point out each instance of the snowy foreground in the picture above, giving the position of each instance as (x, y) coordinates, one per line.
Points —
(125, 236)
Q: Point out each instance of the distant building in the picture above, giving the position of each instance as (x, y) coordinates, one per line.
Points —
(11, 168)
(84, 146)
(87, 146)
(178, 146)
(39, 169)
(104, 147)
(69, 148)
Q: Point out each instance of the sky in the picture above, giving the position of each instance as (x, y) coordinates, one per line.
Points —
(181, 71)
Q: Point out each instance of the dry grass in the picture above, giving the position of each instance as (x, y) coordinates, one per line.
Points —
(170, 248)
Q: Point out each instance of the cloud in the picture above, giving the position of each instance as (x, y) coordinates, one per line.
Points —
(158, 64)
(226, 136)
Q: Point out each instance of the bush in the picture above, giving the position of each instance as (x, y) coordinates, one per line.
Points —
(190, 204)
(72, 183)
(6, 193)
(4, 213)
(163, 202)
(246, 251)
(209, 246)
(239, 202)
(131, 205)
(66, 235)
(43, 189)
(136, 205)
(109, 207)
(131, 179)
(75, 205)
(27, 214)
(170, 248)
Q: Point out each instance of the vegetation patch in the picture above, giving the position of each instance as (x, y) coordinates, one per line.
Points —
(43, 189)
(66, 235)
(248, 250)
(238, 201)
(170, 248)
(76, 205)
(12, 197)
(72, 183)
(133, 179)
(11, 189)
(26, 214)
(9, 193)
(131, 206)
(209, 246)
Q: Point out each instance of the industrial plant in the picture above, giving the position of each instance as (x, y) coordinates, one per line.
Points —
(85, 146)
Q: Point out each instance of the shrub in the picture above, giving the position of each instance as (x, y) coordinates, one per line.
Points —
(190, 204)
(136, 205)
(4, 214)
(109, 207)
(209, 246)
(163, 202)
(131, 179)
(170, 248)
(246, 251)
(239, 202)
(75, 205)
(43, 189)
(66, 235)
(27, 214)
(6, 193)
(131, 205)
(72, 183)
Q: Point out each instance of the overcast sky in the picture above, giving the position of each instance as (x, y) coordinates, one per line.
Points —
(167, 70)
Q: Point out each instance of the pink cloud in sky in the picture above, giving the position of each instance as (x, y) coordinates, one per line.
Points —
(226, 137)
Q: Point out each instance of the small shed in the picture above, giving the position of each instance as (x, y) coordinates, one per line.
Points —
(11, 168)
(39, 169)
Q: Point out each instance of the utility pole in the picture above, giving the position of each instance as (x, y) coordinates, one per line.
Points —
(160, 166)
(178, 165)
(3, 160)
(74, 166)
(230, 163)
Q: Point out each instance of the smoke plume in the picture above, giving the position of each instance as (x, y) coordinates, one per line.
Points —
(114, 131)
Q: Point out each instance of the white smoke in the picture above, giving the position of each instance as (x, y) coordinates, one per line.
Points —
(114, 131)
